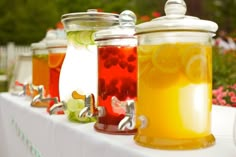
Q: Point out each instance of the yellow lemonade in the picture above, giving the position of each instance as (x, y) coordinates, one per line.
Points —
(174, 95)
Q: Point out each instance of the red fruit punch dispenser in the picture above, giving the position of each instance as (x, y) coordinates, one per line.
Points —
(117, 73)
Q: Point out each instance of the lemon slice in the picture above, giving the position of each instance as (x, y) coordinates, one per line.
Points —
(167, 58)
(196, 68)
(189, 50)
(146, 49)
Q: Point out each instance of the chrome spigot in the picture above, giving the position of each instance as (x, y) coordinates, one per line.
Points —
(26, 89)
(40, 91)
(39, 100)
(128, 122)
(89, 109)
(57, 106)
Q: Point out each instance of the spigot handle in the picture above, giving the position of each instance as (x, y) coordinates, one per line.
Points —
(128, 122)
(90, 109)
(17, 83)
(25, 89)
(93, 109)
(76, 95)
(57, 106)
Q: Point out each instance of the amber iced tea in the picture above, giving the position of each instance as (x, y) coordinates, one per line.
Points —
(174, 95)
(41, 71)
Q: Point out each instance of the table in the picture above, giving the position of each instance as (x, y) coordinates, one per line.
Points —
(26, 131)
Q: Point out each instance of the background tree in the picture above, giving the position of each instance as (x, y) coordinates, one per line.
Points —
(26, 21)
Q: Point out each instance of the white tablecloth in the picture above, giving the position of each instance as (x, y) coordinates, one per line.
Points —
(27, 131)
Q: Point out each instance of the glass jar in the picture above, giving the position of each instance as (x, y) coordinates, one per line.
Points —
(117, 73)
(175, 80)
(79, 69)
(40, 69)
(57, 51)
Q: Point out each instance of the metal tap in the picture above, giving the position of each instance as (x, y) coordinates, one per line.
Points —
(26, 89)
(57, 106)
(89, 110)
(128, 122)
(39, 100)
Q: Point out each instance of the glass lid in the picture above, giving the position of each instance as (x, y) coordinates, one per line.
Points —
(90, 20)
(125, 29)
(176, 20)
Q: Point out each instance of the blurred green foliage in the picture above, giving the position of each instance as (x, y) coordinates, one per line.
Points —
(224, 68)
(26, 21)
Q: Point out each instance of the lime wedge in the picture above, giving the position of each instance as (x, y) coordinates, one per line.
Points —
(75, 105)
(81, 37)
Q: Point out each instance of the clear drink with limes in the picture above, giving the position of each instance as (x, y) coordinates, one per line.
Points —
(79, 69)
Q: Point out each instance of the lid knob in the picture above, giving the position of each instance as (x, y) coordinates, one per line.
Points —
(175, 8)
(127, 18)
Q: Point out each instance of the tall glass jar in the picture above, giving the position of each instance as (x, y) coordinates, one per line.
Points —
(79, 69)
(117, 73)
(40, 69)
(57, 51)
(175, 80)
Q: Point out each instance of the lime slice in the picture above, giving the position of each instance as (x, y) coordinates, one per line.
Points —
(75, 105)
(167, 58)
(86, 37)
(81, 37)
(83, 119)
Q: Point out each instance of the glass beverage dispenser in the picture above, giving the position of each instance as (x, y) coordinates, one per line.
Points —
(79, 69)
(117, 74)
(174, 103)
(40, 66)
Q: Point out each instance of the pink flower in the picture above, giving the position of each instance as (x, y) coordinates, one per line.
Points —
(234, 105)
(222, 102)
(215, 92)
(214, 101)
(234, 86)
(99, 10)
(145, 18)
(220, 88)
(231, 94)
(233, 99)
(219, 97)
(156, 14)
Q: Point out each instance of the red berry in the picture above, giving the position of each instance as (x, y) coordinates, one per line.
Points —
(108, 63)
(131, 58)
(131, 68)
(123, 64)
